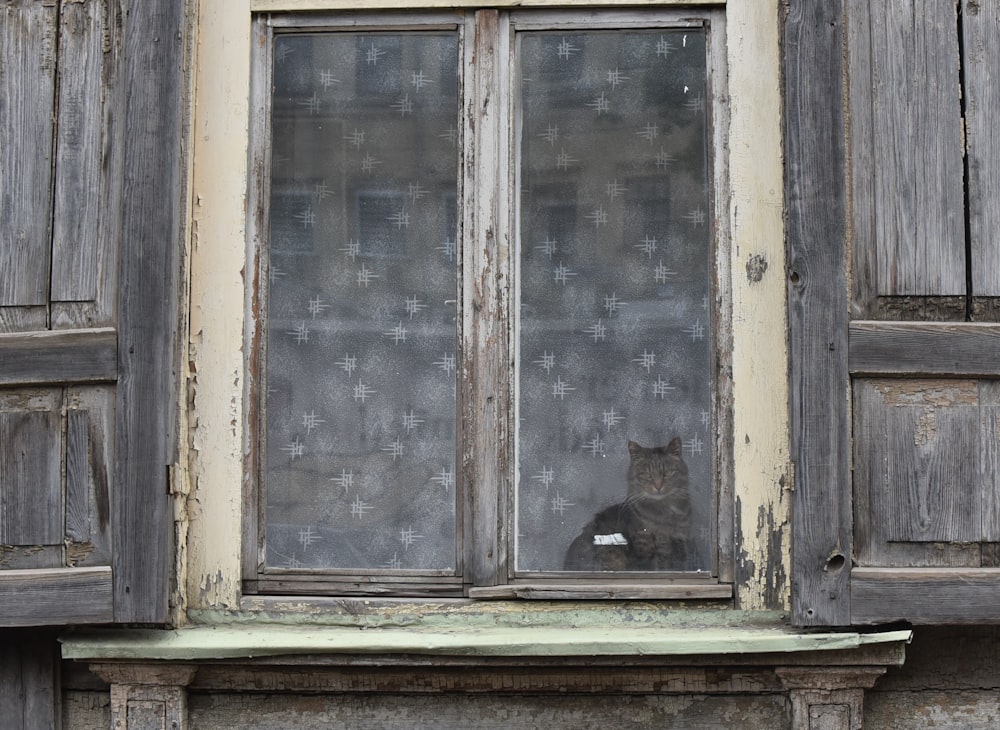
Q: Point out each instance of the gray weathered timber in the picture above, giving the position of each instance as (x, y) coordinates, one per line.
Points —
(27, 86)
(988, 466)
(980, 21)
(606, 591)
(925, 595)
(928, 348)
(30, 490)
(486, 362)
(29, 685)
(815, 196)
(907, 138)
(89, 429)
(152, 214)
(64, 356)
(57, 596)
(71, 305)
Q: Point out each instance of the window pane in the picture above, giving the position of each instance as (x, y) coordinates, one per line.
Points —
(615, 371)
(361, 305)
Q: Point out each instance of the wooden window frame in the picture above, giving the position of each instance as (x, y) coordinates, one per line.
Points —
(487, 246)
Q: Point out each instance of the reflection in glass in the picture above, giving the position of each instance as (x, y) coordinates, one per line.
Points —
(614, 338)
(359, 385)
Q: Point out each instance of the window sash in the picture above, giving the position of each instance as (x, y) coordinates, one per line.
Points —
(486, 251)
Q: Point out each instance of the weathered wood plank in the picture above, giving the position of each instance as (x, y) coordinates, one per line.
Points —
(916, 143)
(988, 464)
(925, 595)
(89, 436)
(30, 490)
(815, 195)
(65, 356)
(151, 220)
(76, 253)
(27, 86)
(486, 373)
(54, 597)
(605, 591)
(932, 493)
(980, 27)
(912, 348)
(29, 680)
(91, 35)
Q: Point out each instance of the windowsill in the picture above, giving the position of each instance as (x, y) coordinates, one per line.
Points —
(453, 630)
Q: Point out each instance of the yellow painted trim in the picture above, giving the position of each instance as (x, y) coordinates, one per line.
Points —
(273, 6)
(214, 398)
(760, 324)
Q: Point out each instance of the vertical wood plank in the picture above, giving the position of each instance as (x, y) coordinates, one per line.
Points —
(85, 239)
(152, 215)
(27, 87)
(989, 458)
(917, 148)
(486, 389)
(89, 431)
(30, 494)
(29, 680)
(815, 198)
(981, 29)
(75, 253)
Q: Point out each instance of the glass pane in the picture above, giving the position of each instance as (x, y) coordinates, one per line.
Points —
(614, 360)
(361, 306)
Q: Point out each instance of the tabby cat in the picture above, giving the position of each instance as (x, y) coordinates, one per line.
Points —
(647, 531)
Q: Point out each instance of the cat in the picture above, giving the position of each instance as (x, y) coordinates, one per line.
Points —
(649, 530)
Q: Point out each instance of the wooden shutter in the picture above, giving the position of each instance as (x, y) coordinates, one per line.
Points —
(90, 216)
(894, 247)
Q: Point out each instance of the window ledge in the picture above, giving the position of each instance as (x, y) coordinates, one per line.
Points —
(695, 634)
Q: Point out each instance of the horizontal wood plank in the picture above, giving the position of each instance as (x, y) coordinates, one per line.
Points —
(65, 356)
(925, 595)
(635, 591)
(55, 596)
(924, 348)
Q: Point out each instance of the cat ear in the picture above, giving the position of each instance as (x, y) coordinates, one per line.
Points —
(674, 447)
(633, 448)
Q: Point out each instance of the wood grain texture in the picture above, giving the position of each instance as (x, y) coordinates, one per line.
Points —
(27, 86)
(29, 680)
(815, 196)
(76, 256)
(30, 490)
(911, 348)
(988, 467)
(88, 500)
(64, 356)
(925, 595)
(486, 362)
(981, 59)
(605, 591)
(906, 94)
(151, 220)
(55, 597)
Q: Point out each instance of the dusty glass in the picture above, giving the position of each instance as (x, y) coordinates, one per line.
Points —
(614, 336)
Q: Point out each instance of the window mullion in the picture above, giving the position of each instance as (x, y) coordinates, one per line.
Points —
(486, 384)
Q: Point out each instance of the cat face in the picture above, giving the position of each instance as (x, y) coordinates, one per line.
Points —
(656, 472)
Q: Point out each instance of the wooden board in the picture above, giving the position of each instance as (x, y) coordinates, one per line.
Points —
(815, 195)
(906, 148)
(981, 59)
(29, 680)
(152, 215)
(30, 489)
(928, 348)
(925, 595)
(65, 356)
(54, 597)
(27, 86)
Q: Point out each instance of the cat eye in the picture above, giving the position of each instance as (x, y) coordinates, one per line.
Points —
(480, 331)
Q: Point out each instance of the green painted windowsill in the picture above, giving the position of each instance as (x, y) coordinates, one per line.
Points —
(390, 631)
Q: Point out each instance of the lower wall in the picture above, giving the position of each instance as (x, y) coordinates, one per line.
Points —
(951, 680)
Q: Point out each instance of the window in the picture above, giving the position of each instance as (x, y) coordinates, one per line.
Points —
(491, 304)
